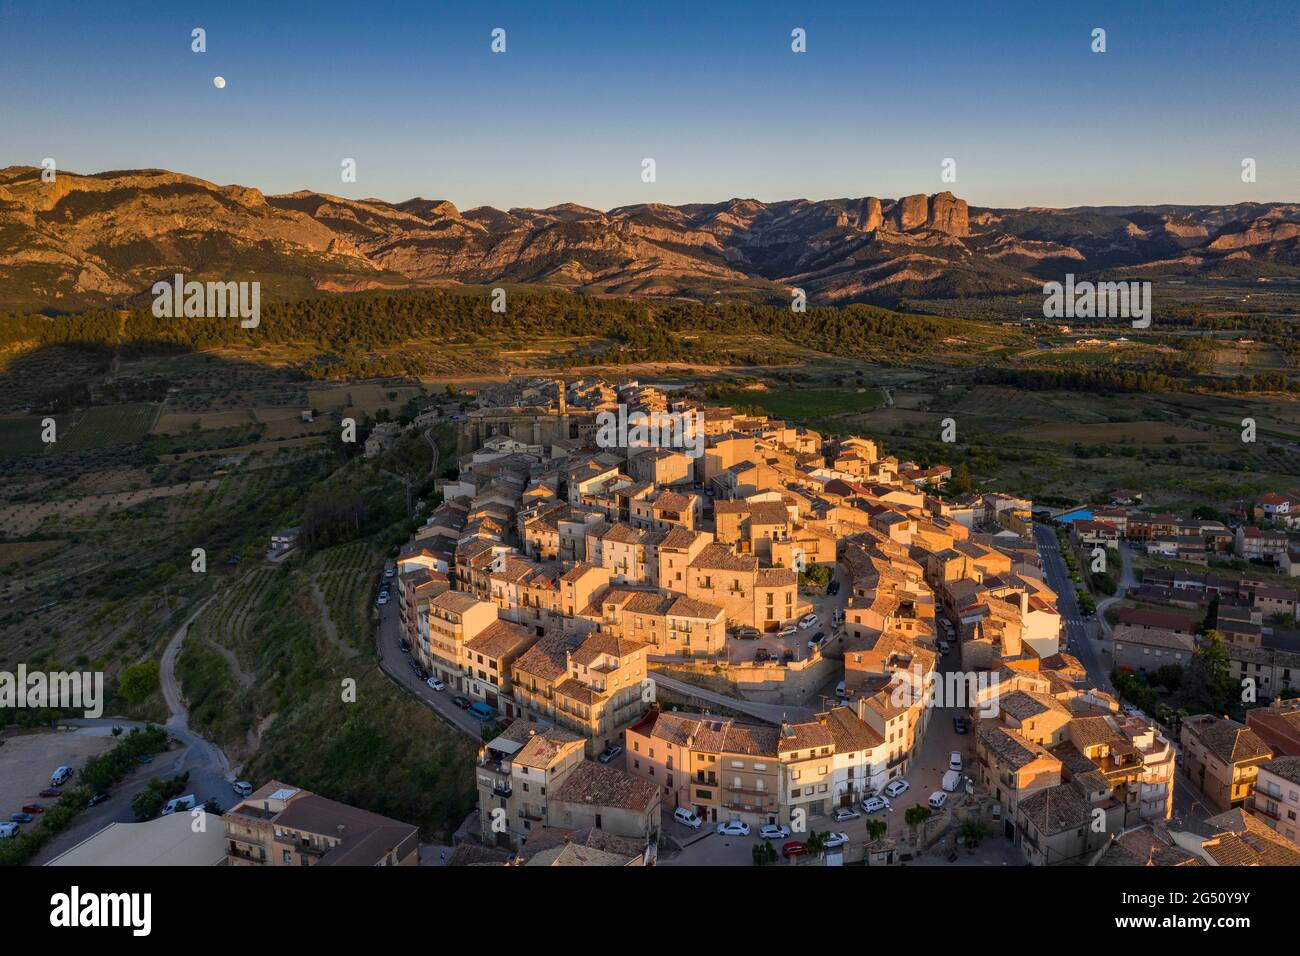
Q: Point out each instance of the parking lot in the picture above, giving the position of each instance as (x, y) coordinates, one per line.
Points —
(28, 761)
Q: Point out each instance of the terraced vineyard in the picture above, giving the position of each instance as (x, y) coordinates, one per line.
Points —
(346, 577)
(228, 621)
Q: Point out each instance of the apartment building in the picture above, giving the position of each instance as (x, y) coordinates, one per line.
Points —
(514, 773)
(1222, 758)
(281, 825)
(766, 598)
(486, 661)
(592, 684)
(672, 624)
(1011, 767)
(1277, 797)
(453, 618)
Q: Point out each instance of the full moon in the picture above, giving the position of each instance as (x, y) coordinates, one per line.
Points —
(219, 82)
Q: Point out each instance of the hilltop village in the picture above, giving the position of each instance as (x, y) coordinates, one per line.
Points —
(772, 631)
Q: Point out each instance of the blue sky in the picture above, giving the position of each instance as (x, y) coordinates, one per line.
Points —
(711, 91)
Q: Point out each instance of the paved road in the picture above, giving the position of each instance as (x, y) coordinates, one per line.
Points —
(394, 663)
(1078, 640)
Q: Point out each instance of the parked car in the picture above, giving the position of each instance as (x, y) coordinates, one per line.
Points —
(896, 788)
(762, 654)
(389, 572)
(610, 753)
(144, 758)
(773, 831)
(734, 828)
(243, 788)
(8, 831)
(875, 804)
(959, 724)
(944, 647)
(687, 818)
(481, 710)
(747, 633)
(833, 588)
(835, 839)
(60, 776)
(816, 640)
(807, 621)
(405, 645)
(33, 808)
(846, 813)
(414, 665)
(839, 690)
(50, 792)
(435, 684)
(21, 818)
(382, 599)
(938, 799)
(954, 761)
(794, 848)
(98, 798)
(788, 631)
(461, 702)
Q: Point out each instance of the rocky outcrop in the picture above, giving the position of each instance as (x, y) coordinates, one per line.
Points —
(911, 212)
(949, 214)
(872, 216)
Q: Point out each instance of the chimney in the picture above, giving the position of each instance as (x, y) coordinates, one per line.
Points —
(1024, 603)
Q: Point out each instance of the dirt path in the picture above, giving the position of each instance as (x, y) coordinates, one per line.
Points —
(203, 752)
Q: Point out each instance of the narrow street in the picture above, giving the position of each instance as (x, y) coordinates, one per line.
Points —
(1077, 638)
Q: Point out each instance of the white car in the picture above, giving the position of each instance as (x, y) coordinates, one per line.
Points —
(807, 621)
(687, 818)
(954, 761)
(436, 684)
(243, 788)
(835, 839)
(734, 828)
(846, 813)
(897, 787)
(875, 804)
(790, 631)
(938, 799)
(383, 599)
(774, 831)
(389, 572)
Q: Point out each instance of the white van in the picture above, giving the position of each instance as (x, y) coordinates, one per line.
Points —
(186, 802)
(839, 690)
(951, 781)
(687, 818)
(60, 776)
(8, 831)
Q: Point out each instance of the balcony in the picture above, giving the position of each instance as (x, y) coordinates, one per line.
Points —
(753, 791)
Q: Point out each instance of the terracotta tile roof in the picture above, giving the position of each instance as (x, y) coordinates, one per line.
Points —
(591, 783)
(719, 557)
(1228, 740)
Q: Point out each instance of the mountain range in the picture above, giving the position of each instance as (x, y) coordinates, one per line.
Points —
(92, 240)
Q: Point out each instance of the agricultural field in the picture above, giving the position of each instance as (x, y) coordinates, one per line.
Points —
(805, 404)
(345, 576)
(99, 426)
